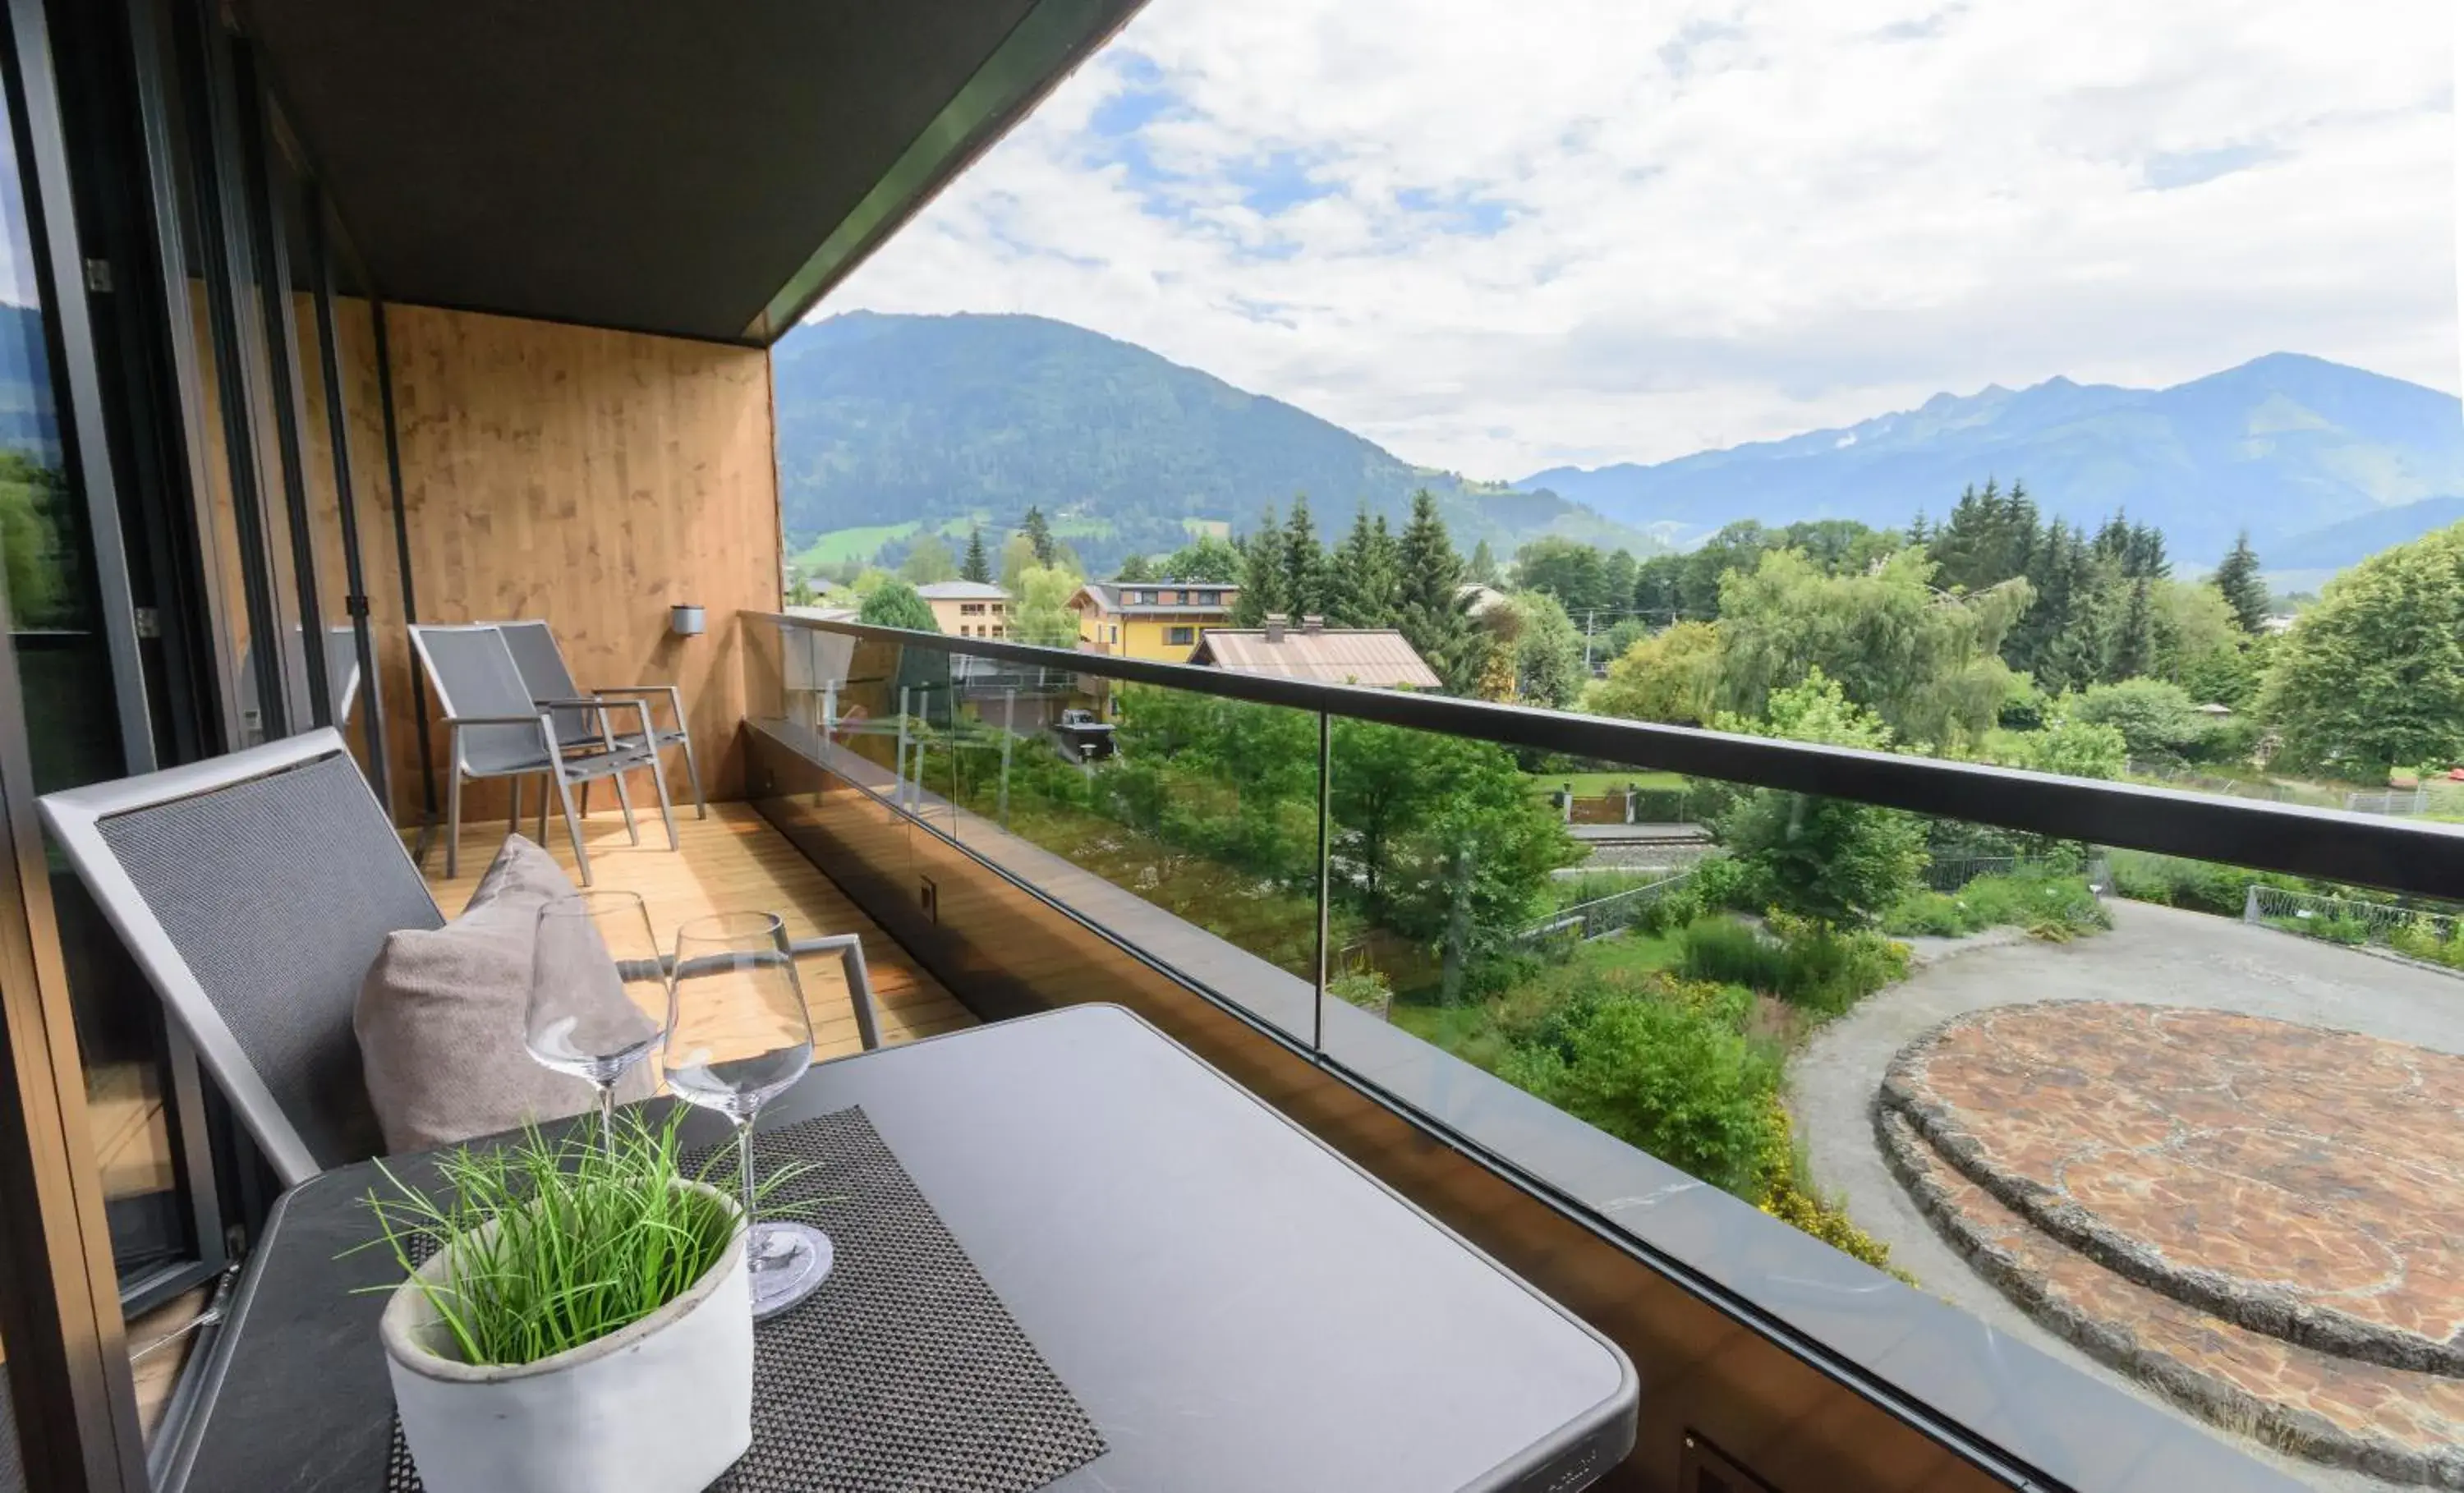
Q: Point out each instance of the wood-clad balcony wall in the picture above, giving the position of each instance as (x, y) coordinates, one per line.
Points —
(590, 477)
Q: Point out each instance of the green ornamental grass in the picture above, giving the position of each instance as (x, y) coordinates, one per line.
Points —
(587, 1240)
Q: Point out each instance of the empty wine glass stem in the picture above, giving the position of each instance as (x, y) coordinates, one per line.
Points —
(607, 1114)
(744, 1155)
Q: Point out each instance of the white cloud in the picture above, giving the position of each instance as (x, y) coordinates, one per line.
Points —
(1497, 237)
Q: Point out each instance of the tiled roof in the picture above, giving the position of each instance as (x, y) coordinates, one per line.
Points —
(1107, 595)
(1376, 656)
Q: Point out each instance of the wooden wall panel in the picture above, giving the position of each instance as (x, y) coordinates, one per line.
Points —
(589, 477)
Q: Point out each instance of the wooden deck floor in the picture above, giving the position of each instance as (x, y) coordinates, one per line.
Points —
(733, 861)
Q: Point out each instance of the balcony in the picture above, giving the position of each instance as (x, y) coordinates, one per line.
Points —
(1886, 1225)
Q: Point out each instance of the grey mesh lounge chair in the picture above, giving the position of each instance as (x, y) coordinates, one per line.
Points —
(542, 664)
(253, 889)
(499, 729)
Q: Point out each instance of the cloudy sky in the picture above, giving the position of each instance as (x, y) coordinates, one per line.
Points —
(1498, 236)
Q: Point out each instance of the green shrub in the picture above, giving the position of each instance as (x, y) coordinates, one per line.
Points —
(1668, 1071)
(2048, 905)
(1929, 915)
(1827, 969)
(2420, 940)
(1366, 989)
(1806, 962)
(1720, 949)
(1788, 1195)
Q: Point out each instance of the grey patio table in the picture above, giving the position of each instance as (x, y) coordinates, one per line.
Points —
(1235, 1304)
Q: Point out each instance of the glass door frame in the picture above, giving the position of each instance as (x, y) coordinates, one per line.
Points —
(67, 1368)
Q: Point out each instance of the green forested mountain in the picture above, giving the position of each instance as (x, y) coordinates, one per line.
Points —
(888, 419)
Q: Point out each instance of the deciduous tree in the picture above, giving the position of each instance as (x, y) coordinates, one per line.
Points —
(1929, 665)
(1671, 677)
(2374, 675)
(895, 604)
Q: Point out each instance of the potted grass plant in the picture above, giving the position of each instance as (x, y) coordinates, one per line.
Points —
(574, 1314)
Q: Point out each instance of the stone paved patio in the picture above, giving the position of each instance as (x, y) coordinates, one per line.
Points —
(2263, 1218)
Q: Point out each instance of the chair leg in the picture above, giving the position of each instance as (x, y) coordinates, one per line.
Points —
(667, 810)
(453, 826)
(693, 774)
(542, 838)
(625, 802)
(513, 819)
(586, 798)
(573, 827)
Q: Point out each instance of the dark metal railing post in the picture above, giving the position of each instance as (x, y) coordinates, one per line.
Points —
(409, 593)
(1325, 805)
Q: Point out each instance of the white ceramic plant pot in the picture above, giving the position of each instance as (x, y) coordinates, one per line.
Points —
(663, 1406)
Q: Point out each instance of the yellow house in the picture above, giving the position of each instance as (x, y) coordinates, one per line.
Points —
(968, 608)
(1154, 620)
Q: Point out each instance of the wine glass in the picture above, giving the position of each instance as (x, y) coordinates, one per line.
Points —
(738, 1033)
(596, 978)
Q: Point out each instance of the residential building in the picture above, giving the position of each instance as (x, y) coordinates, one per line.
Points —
(1380, 657)
(968, 608)
(1157, 620)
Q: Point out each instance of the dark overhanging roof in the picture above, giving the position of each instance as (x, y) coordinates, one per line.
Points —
(705, 170)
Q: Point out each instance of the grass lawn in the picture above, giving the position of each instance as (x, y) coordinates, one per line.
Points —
(841, 545)
(1632, 951)
(1593, 785)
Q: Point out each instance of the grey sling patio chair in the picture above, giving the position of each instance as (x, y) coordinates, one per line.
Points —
(253, 889)
(541, 661)
(499, 729)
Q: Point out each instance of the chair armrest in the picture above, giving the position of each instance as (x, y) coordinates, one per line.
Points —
(493, 720)
(849, 948)
(675, 696)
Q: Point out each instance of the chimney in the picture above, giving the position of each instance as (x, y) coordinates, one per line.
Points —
(1312, 625)
(1276, 622)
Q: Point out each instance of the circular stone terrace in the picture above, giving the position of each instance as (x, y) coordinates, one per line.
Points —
(2264, 1220)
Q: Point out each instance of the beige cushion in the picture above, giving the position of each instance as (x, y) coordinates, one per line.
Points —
(440, 1018)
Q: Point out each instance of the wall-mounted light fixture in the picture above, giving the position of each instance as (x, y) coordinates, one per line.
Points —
(686, 622)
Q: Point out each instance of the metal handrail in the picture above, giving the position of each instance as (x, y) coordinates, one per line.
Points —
(2332, 844)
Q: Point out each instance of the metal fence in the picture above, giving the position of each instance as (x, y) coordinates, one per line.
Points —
(2395, 800)
(2338, 919)
(1602, 917)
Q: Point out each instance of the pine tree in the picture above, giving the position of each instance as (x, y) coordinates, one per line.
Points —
(1360, 577)
(1262, 574)
(2238, 579)
(1919, 534)
(977, 566)
(1304, 563)
(2134, 639)
(1482, 568)
(1432, 609)
(1039, 533)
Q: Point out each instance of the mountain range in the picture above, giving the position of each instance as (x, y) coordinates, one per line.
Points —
(888, 425)
(2321, 462)
(895, 423)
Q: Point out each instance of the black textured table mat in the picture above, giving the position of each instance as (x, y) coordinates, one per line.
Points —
(904, 1374)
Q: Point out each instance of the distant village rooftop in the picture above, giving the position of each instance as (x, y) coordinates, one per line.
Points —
(1376, 656)
(961, 591)
(1156, 597)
